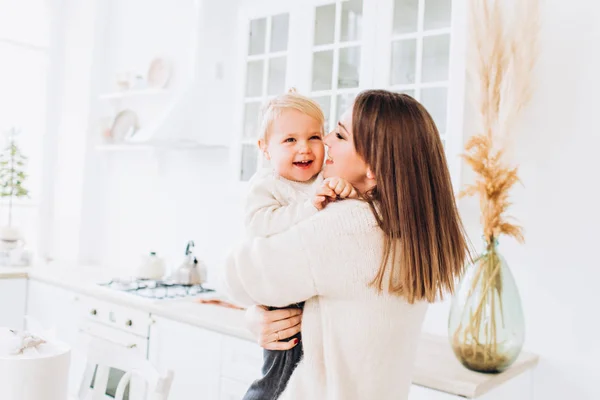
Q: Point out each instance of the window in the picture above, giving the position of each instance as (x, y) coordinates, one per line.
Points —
(336, 57)
(24, 32)
(338, 48)
(420, 54)
(266, 67)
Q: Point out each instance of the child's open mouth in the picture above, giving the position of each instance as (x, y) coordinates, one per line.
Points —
(303, 164)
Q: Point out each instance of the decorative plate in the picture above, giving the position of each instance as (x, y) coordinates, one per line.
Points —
(124, 126)
(159, 73)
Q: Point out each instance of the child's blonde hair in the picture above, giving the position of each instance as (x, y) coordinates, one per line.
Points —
(290, 100)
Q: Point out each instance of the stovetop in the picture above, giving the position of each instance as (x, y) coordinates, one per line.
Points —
(156, 289)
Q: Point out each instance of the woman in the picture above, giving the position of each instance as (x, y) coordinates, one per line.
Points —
(366, 268)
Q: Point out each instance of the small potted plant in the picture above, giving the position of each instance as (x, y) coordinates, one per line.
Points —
(12, 178)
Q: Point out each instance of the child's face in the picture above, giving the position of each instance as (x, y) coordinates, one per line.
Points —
(295, 146)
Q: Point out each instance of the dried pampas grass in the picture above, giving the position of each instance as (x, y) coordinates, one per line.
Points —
(505, 51)
(504, 55)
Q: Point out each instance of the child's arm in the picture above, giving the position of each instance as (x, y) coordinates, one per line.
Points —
(266, 215)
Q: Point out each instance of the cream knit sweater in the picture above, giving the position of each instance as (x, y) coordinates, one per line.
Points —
(358, 344)
(274, 204)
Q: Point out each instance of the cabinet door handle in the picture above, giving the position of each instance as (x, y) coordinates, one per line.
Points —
(93, 312)
(129, 322)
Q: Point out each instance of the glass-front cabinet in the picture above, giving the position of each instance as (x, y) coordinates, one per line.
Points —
(336, 48)
(415, 48)
(331, 50)
(265, 45)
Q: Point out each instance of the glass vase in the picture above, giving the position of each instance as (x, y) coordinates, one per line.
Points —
(486, 327)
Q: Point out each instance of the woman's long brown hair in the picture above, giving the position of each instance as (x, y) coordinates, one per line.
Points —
(413, 199)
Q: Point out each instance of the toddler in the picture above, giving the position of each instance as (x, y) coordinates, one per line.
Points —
(288, 190)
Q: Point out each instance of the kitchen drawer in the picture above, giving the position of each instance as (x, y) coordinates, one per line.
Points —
(242, 360)
(232, 389)
(126, 341)
(123, 318)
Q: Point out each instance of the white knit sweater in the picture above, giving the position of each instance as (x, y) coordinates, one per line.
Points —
(358, 344)
(274, 204)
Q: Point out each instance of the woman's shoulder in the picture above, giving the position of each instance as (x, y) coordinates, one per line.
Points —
(345, 216)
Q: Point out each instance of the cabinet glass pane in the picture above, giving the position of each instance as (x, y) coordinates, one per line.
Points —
(349, 68)
(437, 14)
(325, 103)
(435, 101)
(279, 32)
(403, 68)
(277, 75)
(344, 102)
(257, 36)
(406, 14)
(411, 93)
(436, 54)
(251, 115)
(249, 161)
(254, 78)
(322, 70)
(352, 18)
(324, 24)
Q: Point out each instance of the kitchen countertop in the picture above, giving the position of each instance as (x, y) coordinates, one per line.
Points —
(84, 280)
(436, 366)
(14, 272)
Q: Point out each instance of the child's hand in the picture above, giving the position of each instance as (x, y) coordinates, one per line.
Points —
(341, 187)
(324, 196)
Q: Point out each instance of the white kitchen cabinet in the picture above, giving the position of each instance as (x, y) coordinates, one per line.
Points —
(55, 308)
(422, 393)
(193, 354)
(12, 298)
(331, 50)
(232, 389)
(242, 360)
(518, 388)
(60, 310)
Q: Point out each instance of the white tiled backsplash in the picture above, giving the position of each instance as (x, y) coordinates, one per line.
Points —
(158, 204)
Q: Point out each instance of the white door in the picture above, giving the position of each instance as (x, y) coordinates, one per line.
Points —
(193, 354)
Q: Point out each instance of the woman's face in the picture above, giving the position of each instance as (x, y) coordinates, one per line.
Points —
(342, 159)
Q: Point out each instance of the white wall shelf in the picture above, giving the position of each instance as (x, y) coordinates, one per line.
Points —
(131, 93)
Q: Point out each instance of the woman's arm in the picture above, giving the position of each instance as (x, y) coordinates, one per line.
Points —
(300, 263)
(274, 270)
(271, 328)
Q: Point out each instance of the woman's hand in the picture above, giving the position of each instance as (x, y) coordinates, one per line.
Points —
(269, 327)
